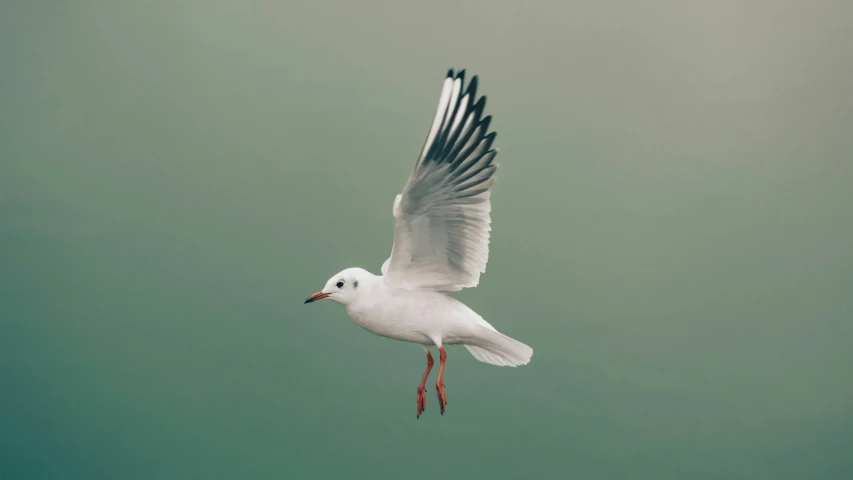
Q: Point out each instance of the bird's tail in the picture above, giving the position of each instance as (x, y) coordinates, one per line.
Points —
(496, 348)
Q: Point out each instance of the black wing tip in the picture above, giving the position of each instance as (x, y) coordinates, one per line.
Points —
(485, 122)
(459, 73)
(488, 140)
(472, 87)
(480, 105)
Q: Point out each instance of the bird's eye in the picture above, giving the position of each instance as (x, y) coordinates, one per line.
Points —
(340, 284)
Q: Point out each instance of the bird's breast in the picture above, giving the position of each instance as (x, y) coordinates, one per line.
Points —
(390, 317)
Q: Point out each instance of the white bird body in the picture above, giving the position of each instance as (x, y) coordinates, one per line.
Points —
(426, 318)
(442, 224)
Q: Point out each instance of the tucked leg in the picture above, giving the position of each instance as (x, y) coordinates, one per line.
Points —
(439, 383)
(422, 386)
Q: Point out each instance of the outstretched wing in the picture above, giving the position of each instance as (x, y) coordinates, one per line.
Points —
(442, 217)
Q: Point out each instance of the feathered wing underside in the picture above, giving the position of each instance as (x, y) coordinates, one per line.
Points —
(442, 218)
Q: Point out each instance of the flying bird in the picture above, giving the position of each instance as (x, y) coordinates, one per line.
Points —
(441, 244)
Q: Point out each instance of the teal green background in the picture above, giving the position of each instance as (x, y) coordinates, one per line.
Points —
(672, 235)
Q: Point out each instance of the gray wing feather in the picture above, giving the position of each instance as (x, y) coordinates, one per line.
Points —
(442, 218)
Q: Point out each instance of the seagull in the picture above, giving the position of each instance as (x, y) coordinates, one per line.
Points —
(441, 244)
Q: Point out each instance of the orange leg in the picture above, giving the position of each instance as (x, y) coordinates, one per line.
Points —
(422, 386)
(439, 383)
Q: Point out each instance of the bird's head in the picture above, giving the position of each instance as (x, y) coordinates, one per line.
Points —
(345, 286)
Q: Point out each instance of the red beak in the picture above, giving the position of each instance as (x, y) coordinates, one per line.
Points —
(317, 296)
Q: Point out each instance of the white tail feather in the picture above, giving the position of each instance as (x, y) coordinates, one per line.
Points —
(496, 348)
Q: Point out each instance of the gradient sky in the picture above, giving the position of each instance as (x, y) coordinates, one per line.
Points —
(672, 234)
